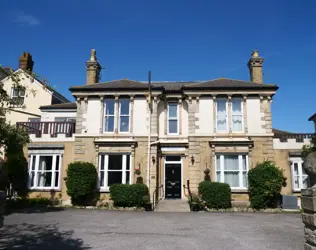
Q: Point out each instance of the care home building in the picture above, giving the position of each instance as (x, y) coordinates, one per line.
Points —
(169, 136)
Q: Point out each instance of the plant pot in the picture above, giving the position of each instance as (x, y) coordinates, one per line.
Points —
(148, 207)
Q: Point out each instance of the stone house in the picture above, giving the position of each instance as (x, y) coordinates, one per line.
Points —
(170, 135)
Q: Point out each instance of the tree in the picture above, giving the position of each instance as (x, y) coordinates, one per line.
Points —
(307, 149)
(13, 172)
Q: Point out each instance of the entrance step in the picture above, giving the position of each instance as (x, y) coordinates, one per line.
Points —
(173, 206)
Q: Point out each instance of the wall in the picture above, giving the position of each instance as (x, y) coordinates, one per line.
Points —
(205, 125)
(49, 116)
(36, 95)
(289, 144)
(140, 117)
(255, 119)
(93, 116)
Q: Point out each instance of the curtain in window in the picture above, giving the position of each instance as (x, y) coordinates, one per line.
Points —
(221, 115)
(231, 170)
(236, 115)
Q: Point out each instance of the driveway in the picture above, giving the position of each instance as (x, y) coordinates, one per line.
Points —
(97, 229)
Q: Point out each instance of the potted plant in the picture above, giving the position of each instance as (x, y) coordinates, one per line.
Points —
(147, 203)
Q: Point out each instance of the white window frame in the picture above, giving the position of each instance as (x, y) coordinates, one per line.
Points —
(120, 115)
(36, 156)
(240, 170)
(226, 105)
(173, 118)
(105, 115)
(18, 96)
(241, 113)
(300, 175)
(105, 187)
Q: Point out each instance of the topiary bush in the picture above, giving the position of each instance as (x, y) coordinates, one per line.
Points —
(81, 182)
(265, 183)
(215, 194)
(125, 195)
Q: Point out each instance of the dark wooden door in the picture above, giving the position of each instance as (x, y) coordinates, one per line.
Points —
(173, 181)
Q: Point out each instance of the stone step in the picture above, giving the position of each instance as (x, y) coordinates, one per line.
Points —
(173, 206)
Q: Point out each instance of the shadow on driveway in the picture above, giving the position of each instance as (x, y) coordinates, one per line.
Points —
(30, 236)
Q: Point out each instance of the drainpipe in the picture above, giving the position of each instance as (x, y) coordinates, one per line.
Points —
(149, 131)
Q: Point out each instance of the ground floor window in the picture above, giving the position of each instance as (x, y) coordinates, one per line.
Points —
(44, 171)
(114, 168)
(299, 176)
(232, 169)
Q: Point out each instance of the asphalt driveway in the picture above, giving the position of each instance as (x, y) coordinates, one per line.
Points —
(98, 229)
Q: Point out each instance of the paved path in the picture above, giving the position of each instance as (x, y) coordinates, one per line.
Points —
(97, 229)
(173, 206)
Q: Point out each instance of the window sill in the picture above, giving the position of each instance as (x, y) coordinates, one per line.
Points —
(44, 190)
(104, 190)
(239, 190)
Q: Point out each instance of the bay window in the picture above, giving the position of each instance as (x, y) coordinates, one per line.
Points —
(114, 168)
(44, 171)
(232, 169)
(172, 118)
(299, 177)
(221, 115)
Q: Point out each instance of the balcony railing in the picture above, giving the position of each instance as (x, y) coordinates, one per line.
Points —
(299, 137)
(50, 128)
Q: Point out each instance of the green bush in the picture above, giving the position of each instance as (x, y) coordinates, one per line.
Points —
(81, 182)
(215, 194)
(124, 195)
(196, 203)
(265, 184)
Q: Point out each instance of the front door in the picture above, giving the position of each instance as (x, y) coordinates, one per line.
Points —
(173, 180)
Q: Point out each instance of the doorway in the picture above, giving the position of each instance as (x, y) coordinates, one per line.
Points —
(173, 177)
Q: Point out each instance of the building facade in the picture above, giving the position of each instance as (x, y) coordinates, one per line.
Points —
(165, 135)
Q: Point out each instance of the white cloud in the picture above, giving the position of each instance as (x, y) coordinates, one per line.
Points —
(25, 19)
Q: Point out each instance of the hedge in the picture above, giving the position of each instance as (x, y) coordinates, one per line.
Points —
(21, 203)
(215, 194)
(81, 182)
(125, 195)
(265, 183)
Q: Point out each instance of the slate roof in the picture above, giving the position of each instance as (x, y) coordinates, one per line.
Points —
(216, 84)
(70, 105)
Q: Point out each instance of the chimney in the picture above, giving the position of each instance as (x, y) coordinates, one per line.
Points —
(255, 67)
(93, 69)
(26, 62)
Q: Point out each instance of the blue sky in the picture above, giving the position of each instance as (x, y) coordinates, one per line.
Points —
(176, 39)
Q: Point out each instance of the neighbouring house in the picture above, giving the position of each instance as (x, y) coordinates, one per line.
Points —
(33, 94)
(169, 134)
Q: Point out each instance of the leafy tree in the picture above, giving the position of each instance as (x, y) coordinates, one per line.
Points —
(307, 149)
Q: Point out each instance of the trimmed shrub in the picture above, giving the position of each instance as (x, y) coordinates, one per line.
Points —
(215, 194)
(21, 203)
(265, 184)
(81, 182)
(125, 195)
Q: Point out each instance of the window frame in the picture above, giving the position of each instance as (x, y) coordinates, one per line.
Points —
(105, 187)
(239, 113)
(105, 115)
(173, 118)
(240, 170)
(226, 114)
(300, 175)
(120, 115)
(36, 170)
(18, 96)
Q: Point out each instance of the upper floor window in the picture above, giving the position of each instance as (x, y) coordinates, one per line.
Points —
(124, 115)
(299, 176)
(109, 110)
(221, 115)
(237, 115)
(17, 96)
(173, 118)
(114, 120)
